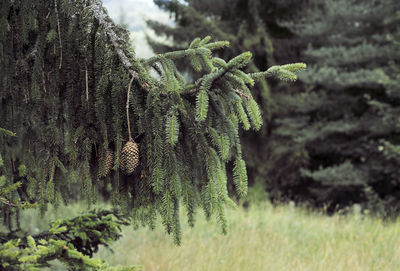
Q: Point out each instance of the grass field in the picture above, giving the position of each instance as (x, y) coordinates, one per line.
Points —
(267, 238)
(259, 238)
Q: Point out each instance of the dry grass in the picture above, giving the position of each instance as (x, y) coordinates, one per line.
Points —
(267, 238)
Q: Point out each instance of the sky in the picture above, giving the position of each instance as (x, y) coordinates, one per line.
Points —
(135, 13)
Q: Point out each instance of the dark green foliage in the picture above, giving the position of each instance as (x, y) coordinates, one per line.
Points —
(200, 134)
(384, 197)
(336, 130)
(87, 232)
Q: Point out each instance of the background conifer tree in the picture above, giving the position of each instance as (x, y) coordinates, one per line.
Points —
(346, 111)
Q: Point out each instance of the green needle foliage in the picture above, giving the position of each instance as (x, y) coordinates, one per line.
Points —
(72, 242)
(332, 133)
(201, 128)
(72, 89)
(248, 26)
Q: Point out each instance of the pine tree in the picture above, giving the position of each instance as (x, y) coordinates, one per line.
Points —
(385, 198)
(338, 124)
(73, 90)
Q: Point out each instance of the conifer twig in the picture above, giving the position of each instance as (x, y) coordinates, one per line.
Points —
(7, 202)
(127, 109)
(59, 34)
(243, 94)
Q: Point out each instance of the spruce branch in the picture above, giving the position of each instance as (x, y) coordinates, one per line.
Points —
(104, 20)
(73, 242)
(198, 85)
(20, 205)
(284, 72)
(204, 49)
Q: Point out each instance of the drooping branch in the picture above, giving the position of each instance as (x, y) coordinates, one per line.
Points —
(101, 16)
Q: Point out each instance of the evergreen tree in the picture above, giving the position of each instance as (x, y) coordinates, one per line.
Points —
(341, 124)
(385, 199)
(86, 112)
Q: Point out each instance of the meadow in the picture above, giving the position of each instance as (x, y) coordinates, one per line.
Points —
(267, 238)
(261, 237)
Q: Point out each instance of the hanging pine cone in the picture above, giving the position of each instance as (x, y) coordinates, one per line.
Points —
(108, 161)
(129, 157)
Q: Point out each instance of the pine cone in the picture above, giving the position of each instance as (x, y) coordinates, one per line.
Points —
(129, 157)
(108, 161)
